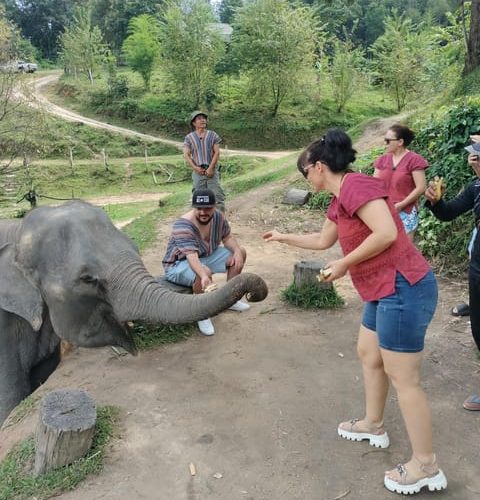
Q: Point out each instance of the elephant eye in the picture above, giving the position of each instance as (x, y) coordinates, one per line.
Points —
(87, 278)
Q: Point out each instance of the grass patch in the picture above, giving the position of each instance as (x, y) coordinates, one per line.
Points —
(311, 296)
(147, 335)
(23, 409)
(18, 483)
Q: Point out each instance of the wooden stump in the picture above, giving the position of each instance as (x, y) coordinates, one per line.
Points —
(296, 197)
(306, 272)
(65, 428)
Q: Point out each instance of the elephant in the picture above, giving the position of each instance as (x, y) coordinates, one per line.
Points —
(67, 272)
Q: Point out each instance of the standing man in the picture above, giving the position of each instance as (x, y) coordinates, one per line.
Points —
(194, 251)
(201, 149)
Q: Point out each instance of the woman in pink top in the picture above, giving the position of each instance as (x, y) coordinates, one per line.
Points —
(404, 174)
(400, 294)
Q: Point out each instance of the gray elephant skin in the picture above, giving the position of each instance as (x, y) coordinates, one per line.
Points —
(67, 273)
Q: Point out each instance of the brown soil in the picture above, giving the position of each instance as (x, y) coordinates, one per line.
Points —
(255, 407)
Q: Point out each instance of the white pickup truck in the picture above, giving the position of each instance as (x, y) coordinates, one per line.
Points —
(19, 67)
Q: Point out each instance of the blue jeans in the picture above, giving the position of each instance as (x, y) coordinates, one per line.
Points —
(182, 274)
(401, 319)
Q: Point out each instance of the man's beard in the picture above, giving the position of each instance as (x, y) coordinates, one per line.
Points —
(202, 222)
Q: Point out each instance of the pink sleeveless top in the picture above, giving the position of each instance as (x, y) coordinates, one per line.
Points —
(373, 278)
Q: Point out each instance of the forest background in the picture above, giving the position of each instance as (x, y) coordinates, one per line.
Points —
(272, 74)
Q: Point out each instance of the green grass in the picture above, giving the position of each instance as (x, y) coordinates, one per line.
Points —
(18, 483)
(22, 410)
(312, 296)
(147, 336)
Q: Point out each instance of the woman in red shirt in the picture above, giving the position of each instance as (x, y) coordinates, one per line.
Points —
(400, 294)
(404, 174)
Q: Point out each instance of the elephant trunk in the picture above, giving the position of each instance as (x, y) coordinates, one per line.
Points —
(137, 295)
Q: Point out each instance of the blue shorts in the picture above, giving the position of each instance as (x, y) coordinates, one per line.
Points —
(410, 221)
(401, 319)
(182, 274)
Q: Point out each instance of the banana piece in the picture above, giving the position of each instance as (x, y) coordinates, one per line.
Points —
(438, 183)
(210, 288)
(324, 274)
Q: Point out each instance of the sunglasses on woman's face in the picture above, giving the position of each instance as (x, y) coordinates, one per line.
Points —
(387, 140)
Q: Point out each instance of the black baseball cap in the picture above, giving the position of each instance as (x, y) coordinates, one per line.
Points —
(203, 198)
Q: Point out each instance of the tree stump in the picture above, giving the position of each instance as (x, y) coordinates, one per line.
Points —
(65, 428)
(306, 272)
(296, 197)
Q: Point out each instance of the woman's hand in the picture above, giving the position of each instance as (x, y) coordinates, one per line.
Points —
(273, 235)
(338, 269)
(398, 207)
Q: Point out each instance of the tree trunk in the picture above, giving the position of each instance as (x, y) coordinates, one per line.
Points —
(65, 429)
(306, 272)
(472, 59)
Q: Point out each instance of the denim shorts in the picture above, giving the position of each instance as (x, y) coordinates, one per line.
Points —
(401, 319)
(182, 274)
(410, 221)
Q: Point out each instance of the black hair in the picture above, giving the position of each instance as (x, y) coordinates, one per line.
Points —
(335, 149)
(403, 132)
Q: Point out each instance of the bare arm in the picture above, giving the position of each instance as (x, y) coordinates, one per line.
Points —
(314, 241)
(237, 260)
(213, 162)
(420, 182)
(187, 154)
(199, 269)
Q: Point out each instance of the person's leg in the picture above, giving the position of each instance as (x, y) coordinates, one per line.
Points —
(474, 298)
(213, 183)
(403, 369)
(374, 377)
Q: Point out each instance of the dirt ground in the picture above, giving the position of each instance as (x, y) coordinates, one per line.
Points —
(255, 407)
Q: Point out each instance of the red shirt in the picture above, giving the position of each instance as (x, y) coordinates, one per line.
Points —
(399, 179)
(373, 278)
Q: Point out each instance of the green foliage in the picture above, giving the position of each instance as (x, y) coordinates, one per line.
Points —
(312, 296)
(442, 140)
(82, 46)
(17, 482)
(227, 9)
(191, 49)
(397, 58)
(142, 48)
(320, 201)
(274, 43)
(147, 335)
(344, 72)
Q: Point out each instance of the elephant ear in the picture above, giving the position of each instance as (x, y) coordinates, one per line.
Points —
(17, 294)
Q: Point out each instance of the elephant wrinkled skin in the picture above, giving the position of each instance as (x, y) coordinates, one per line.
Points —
(67, 273)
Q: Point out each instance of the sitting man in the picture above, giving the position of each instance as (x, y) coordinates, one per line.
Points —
(194, 252)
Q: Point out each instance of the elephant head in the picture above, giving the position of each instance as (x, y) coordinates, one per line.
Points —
(67, 272)
(92, 280)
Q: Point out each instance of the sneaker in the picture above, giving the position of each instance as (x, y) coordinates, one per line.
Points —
(206, 327)
(239, 306)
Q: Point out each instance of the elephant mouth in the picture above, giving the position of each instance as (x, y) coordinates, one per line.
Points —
(126, 340)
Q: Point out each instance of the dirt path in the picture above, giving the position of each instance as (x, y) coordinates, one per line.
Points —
(255, 407)
(66, 114)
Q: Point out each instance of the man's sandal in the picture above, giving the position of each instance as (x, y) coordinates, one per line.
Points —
(349, 430)
(400, 480)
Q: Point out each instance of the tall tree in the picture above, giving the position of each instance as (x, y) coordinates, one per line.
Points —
(113, 16)
(82, 46)
(191, 47)
(274, 43)
(142, 47)
(472, 60)
(42, 21)
(227, 8)
(397, 58)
